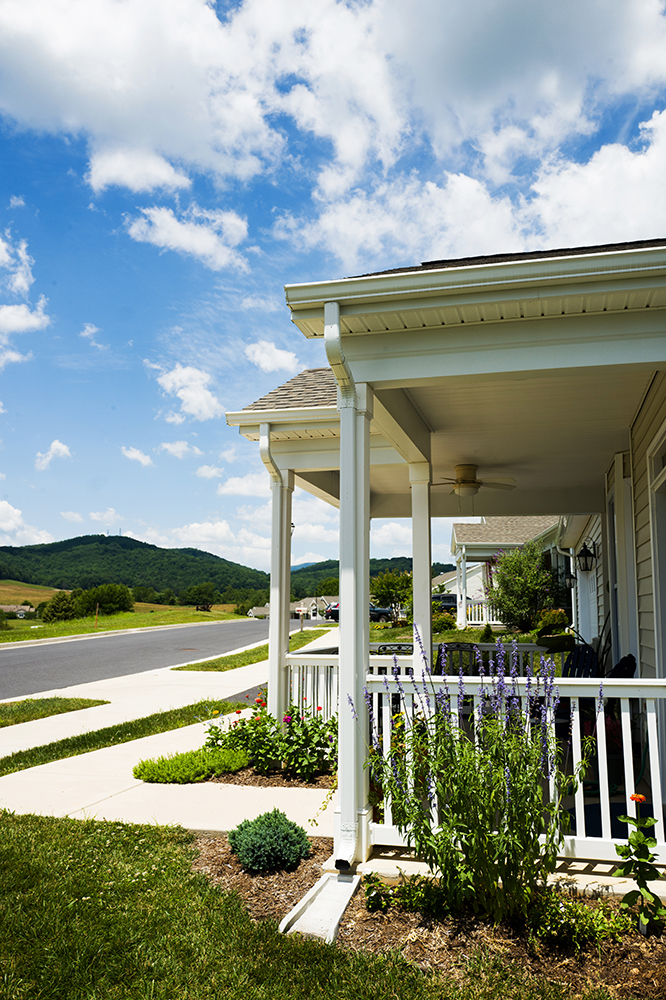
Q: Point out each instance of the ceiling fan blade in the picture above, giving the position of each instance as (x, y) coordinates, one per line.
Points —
(490, 485)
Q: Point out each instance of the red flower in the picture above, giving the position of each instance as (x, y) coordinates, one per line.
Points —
(637, 798)
(238, 711)
(319, 708)
(257, 701)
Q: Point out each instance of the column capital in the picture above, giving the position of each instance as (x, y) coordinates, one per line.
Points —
(420, 472)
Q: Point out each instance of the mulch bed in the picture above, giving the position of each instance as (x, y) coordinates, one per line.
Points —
(277, 779)
(636, 967)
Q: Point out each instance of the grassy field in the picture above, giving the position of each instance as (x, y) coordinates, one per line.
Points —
(124, 732)
(12, 713)
(15, 592)
(111, 911)
(143, 616)
(255, 655)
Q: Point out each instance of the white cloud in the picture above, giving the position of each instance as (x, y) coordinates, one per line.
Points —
(136, 455)
(179, 449)
(16, 201)
(270, 358)
(254, 484)
(209, 472)
(174, 418)
(389, 538)
(108, 517)
(209, 236)
(264, 303)
(72, 516)
(2, 476)
(2, 408)
(190, 385)
(88, 333)
(413, 220)
(243, 546)
(56, 450)
(136, 169)
(14, 530)
(229, 455)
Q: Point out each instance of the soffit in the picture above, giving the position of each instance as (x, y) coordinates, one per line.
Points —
(496, 292)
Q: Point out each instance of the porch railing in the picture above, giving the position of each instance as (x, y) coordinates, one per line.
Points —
(627, 756)
(481, 613)
(596, 805)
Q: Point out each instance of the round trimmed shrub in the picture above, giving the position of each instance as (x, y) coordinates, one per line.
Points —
(269, 842)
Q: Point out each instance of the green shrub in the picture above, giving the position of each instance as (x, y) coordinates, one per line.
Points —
(443, 622)
(487, 634)
(305, 745)
(196, 765)
(563, 922)
(60, 608)
(270, 842)
(555, 620)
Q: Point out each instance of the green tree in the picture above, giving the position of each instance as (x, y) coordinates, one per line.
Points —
(329, 587)
(61, 608)
(522, 586)
(112, 598)
(392, 590)
(201, 593)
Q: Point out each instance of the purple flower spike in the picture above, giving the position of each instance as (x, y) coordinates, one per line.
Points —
(353, 710)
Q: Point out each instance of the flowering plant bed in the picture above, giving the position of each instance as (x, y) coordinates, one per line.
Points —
(458, 949)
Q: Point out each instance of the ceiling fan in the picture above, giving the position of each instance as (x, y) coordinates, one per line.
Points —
(467, 485)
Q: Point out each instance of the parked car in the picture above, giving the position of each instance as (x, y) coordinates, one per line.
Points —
(444, 602)
(332, 613)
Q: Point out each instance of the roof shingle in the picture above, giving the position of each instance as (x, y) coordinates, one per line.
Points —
(503, 530)
(313, 387)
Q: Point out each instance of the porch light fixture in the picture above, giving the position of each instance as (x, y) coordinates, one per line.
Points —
(586, 558)
(570, 579)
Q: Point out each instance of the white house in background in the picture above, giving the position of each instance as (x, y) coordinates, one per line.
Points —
(547, 368)
(480, 543)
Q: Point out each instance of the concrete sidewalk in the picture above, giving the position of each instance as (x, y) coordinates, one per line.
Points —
(101, 784)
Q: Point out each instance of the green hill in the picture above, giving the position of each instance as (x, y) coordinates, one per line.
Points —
(91, 560)
(306, 579)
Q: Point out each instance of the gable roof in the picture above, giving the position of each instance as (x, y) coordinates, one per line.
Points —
(313, 387)
(503, 530)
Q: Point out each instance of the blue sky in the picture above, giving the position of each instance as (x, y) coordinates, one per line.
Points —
(168, 165)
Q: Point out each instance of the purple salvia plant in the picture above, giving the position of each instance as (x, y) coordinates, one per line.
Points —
(461, 691)
(353, 710)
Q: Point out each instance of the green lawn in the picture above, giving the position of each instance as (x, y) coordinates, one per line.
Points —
(254, 655)
(14, 712)
(149, 725)
(23, 629)
(107, 911)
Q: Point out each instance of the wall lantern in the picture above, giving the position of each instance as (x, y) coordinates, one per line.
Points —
(292, 527)
(586, 558)
(570, 580)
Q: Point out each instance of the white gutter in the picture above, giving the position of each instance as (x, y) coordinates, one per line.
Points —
(265, 452)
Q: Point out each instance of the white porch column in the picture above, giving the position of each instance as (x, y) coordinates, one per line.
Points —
(352, 840)
(419, 478)
(282, 487)
(627, 625)
(462, 589)
(352, 844)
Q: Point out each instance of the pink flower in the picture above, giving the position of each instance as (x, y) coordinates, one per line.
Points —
(287, 718)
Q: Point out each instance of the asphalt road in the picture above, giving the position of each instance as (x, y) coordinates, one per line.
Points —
(28, 670)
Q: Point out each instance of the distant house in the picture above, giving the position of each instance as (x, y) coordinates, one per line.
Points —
(20, 610)
(475, 546)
